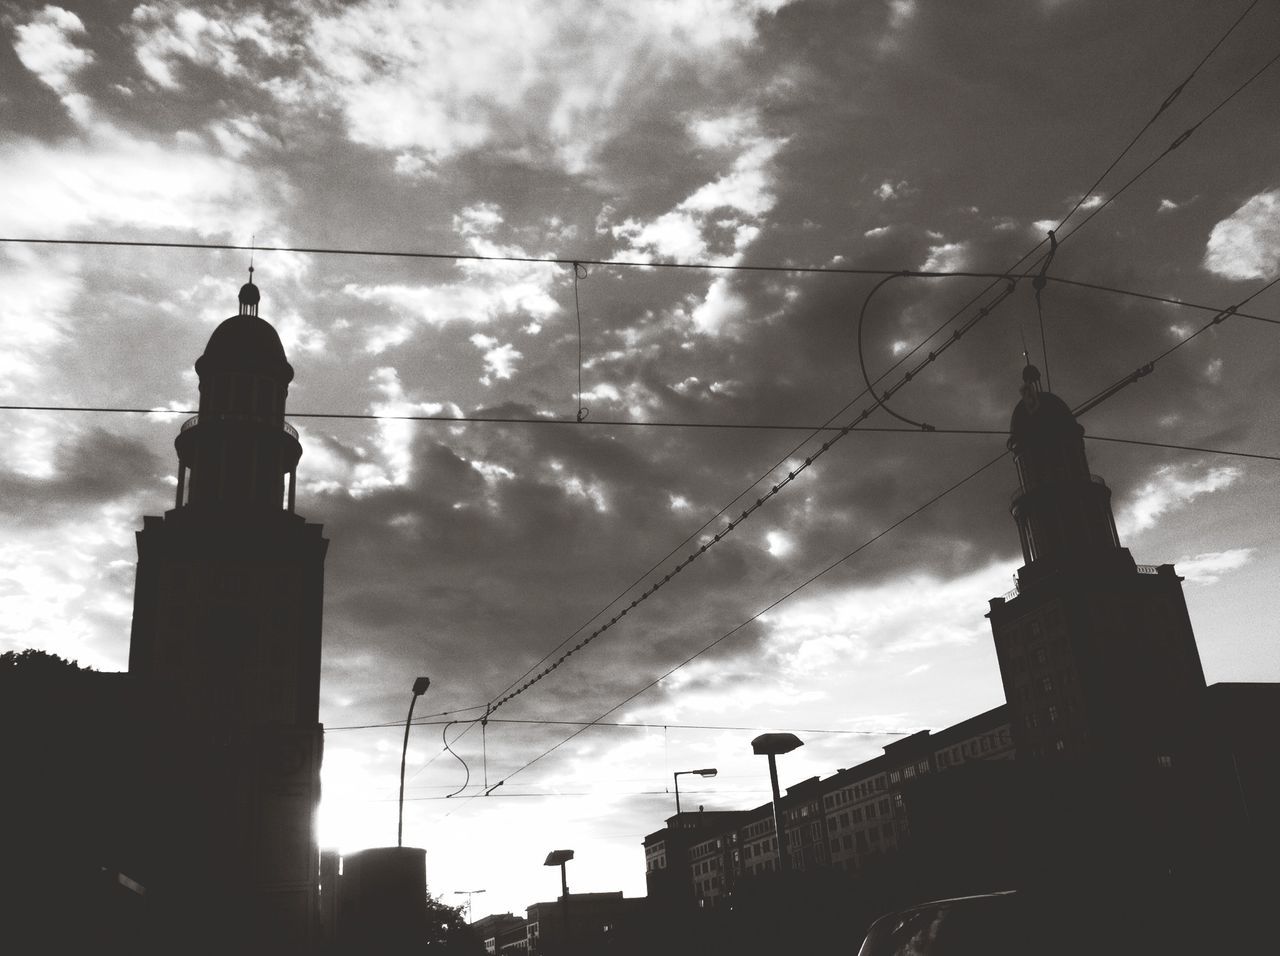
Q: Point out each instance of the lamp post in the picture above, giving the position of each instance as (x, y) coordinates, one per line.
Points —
(705, 772)
(560, 858)
(468, 894)
(771, 745)
(419, 688)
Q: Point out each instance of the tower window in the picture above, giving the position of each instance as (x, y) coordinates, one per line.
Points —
(1046, 684)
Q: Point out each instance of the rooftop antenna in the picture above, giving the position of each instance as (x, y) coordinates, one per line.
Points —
(253, 247)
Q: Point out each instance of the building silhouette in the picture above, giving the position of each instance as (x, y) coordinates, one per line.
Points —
(1096, 653)
(226, 640)
(1111, 776)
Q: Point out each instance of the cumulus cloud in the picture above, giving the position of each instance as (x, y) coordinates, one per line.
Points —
(47, 47)
(436, 80)
(947, 257)
(1246, 245)
(1209, 567)
(499, 359)
(113, 179)
(1171, 487)
(169, 34)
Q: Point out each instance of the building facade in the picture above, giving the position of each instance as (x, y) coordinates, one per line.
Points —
(226, 645)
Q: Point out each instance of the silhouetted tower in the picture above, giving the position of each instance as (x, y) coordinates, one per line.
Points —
(226, 638)
(1096, 652)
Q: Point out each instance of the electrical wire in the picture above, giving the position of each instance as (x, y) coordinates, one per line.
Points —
(637, 726)
(760, 613)
(1087, 406)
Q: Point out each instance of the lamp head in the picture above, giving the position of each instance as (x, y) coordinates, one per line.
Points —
(420, 686)
(557, 857)
(775, 744)
(707, 772)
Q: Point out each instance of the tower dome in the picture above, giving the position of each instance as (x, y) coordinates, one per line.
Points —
(246, 343)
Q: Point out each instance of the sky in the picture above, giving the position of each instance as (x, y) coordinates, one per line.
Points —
(815, 134)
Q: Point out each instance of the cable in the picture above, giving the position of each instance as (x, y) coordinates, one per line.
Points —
(1178, 141)
(758, 614)
(1168, 101)
(1090, 404)
(1144, 370)
(579, 272)
(639, 726)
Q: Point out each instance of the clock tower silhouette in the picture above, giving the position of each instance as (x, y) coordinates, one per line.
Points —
(226, 642)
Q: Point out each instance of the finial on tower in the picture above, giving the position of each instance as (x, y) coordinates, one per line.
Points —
(249, 296)
(1030, 390)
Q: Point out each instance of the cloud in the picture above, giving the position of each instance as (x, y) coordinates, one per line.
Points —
(112, 179)
(499, 360)
(890, 190)
(436, 80)
(169, 34)
(947, 257)
(1170, 488)
(1207, 568)
(1246, 245)
(46, 48)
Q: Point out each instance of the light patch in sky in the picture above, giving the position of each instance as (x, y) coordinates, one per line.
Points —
(32, 288)
(720, 307)
(947, 257)
(436, 80)
(890, 190)
(395, 438)
(168, 33)
(779, 543)
(1209, 567)
(114, 179)
(1246, 245)
(1167, 205)
(499, 360)
(903, 616)
(46, 48)
(1169, 488)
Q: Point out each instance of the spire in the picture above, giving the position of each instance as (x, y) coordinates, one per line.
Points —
(1062, 511)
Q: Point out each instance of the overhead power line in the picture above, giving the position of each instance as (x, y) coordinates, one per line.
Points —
(1080, 410)
(920, 345)
(636, 726)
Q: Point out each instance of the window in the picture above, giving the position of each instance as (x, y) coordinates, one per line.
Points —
(1041, 656)
(1164, 761)
(896, 776)
(923, 766)
(1046, 684)
(871, 811)
(886, 829)
(1053, 714)
(909, 772)
(1060, 744)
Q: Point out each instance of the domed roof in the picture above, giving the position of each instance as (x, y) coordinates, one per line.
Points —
(1039, 416)
(246, 343)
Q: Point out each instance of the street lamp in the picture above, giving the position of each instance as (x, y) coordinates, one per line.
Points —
(419, 688)
(705, 772)
(771, 745)
(468, 894)
(560, 858)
